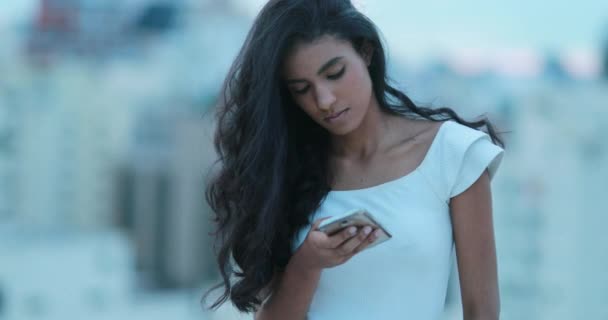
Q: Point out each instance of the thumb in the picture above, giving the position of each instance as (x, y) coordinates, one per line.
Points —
(316, 223)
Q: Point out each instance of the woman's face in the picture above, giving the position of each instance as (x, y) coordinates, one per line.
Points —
(329, 80)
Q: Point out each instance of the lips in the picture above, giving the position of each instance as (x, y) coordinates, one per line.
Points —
(335, 115)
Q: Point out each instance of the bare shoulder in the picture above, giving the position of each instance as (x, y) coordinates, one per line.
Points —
(433, 126)
(419, 132)
(413, 141)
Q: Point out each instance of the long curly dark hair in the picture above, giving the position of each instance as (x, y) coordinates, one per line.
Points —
(273, 175)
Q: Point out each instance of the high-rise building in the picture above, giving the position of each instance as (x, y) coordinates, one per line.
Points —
(58, 273)
(163, 201)
(8, 145)
(66, 146)
(604, 57)
(550, 224)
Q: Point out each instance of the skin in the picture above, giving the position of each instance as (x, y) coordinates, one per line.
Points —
(369, 147)
(471, 213)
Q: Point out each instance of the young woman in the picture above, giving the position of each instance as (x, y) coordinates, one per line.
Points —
(309, 128)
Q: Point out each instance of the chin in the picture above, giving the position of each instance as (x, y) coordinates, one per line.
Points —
(341, 130)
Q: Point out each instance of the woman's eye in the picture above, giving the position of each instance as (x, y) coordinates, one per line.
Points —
(336, 75)
(300, 91)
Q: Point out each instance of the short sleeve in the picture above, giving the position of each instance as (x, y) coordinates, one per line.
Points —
(469, 152)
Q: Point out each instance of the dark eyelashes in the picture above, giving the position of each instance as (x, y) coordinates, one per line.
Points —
(337, 75)
(334, 76)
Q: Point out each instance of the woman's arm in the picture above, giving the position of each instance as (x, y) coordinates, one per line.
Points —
(292, 293)
(471, 213)
(293, 290)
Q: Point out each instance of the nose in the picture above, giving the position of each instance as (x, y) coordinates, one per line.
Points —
(325, 98)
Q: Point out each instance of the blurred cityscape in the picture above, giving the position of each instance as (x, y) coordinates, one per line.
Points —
(105, 141)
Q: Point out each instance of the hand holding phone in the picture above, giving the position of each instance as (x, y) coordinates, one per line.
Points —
(358, 218)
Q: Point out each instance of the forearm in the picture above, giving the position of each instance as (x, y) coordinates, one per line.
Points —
(481, 314)
(482, 317)
(483, 305)
(293, 295)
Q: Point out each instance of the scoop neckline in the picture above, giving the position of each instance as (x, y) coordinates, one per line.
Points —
(404, 177)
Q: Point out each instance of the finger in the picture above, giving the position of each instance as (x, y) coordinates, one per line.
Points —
(350, 245)
(337, 239)
(316, 236)
(316, 223)
(373, 236)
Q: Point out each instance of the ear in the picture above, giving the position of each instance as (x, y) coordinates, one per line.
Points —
(367, 52)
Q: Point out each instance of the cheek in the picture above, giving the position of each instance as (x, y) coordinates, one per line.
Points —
(356, 87)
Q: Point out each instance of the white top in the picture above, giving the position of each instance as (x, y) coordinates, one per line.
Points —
(405, 277)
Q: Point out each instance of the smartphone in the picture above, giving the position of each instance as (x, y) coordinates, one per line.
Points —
(358, 218)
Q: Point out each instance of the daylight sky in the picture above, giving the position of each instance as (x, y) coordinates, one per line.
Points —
(514, 30)
(417, 27)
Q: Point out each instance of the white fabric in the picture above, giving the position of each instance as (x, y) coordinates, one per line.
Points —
(405, 277)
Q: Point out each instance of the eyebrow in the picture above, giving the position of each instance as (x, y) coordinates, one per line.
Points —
(326, 66)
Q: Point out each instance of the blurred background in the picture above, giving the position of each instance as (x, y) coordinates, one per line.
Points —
(106, 127)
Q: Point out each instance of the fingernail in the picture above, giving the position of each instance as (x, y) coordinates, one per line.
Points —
(367, 230)
(377, 233)
(352, 230)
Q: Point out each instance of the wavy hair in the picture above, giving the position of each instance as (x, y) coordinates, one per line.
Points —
(271, 178)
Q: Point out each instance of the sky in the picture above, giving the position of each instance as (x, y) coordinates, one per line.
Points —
(14, 12)
(473, 33)
(418, 28)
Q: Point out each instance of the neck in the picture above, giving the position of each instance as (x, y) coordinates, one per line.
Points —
(366, 140)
